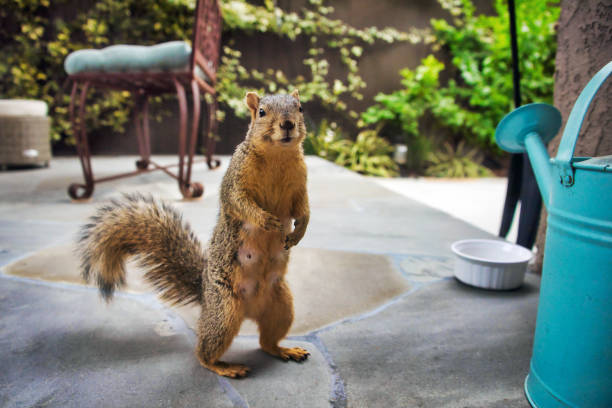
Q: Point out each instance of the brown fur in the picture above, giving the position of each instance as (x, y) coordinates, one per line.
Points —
(242, 275)
(155, 233)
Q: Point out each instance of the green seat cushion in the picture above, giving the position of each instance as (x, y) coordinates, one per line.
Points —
(168, 56)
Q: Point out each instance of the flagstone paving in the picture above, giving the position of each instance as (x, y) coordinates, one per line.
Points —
(376, 305)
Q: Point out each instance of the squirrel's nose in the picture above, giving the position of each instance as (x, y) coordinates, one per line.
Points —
(287, 125)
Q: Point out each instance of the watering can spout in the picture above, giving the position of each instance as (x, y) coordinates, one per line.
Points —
(528, 128)
(540, 162)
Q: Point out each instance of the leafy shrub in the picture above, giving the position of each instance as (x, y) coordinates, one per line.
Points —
(459, 162)
(404, 108)
(479, 92)
(325, 142)
(37, 35)
(369, 154)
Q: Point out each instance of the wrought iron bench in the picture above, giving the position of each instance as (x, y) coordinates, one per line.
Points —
(145, 71)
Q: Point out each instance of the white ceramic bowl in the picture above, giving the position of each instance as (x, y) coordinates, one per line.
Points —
(490, 264)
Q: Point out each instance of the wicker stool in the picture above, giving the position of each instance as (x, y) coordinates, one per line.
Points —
(24, 133)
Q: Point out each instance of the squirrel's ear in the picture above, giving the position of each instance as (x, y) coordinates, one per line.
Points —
(295, 94)
(252, 101)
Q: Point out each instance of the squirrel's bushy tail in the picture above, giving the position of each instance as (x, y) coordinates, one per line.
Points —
(155, 234)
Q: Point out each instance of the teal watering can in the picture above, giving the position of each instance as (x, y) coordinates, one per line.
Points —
(571, 364)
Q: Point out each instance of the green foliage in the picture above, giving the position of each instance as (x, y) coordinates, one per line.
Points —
(325, 35)
(35, 42)
(34, 47)
(460, 162)
(369, 154)
(404, 108)
(479, 92)
(325, 142)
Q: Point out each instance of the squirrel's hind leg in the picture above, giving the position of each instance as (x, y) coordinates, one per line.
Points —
(274, 323)
(217, 327)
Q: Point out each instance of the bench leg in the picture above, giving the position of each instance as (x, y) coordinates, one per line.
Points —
(78, 191)
(188, 189)
(141, 121)
(210, 133)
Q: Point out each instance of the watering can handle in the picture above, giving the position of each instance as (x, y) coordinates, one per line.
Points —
(574, 122)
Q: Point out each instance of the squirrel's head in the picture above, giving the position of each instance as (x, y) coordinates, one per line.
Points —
(276, 120)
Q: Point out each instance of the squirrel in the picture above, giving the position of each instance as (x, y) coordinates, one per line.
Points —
(241, 274)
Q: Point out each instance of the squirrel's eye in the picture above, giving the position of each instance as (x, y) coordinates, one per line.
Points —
(301, 110)
(262, 113)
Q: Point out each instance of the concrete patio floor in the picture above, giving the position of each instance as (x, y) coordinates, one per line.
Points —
(399, 331)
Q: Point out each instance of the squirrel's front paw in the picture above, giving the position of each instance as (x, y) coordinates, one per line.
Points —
(290, 240)
(272, 223)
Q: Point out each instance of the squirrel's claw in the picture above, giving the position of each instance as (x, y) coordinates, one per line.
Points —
(295, 353)
(272, 223)
(289, 241)
(228, 370)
